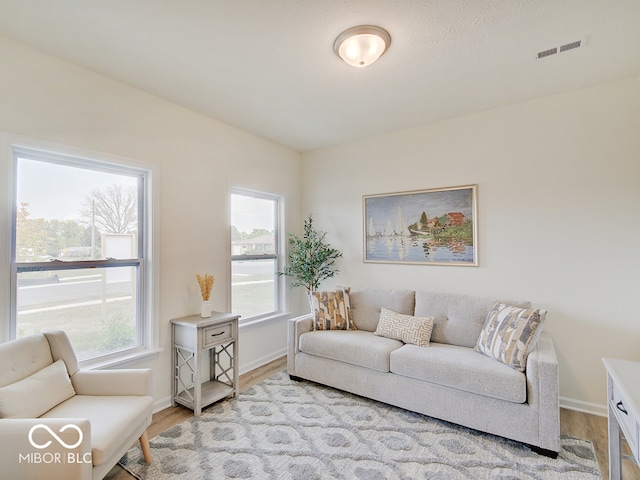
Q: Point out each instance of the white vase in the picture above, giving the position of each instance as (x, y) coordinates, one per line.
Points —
(205, 310)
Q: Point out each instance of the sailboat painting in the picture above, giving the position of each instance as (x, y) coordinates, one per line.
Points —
(431, 227)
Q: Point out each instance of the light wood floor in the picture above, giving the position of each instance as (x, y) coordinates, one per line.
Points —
(577, 424)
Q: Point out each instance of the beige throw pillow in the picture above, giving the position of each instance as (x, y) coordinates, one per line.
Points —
(37, 394)
(406, 328)
(332, 310)
(510, 333)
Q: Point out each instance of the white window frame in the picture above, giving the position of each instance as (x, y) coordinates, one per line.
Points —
(279, 294)
(147, 272)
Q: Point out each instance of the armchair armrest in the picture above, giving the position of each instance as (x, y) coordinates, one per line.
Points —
(45, 448)
(136, 382)
(296, 327)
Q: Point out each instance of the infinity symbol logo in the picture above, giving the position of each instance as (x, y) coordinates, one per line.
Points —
(60, 441)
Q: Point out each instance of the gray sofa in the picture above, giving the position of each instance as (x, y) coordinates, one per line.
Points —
(448, 380)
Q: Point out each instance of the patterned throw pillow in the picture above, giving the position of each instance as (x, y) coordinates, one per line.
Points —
(331, 310)
(510, 333)
(409, 329)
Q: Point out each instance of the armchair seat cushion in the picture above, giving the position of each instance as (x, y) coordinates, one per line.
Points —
(112, 419)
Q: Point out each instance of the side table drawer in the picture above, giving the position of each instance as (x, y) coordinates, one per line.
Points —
(626, 419)
(214, 335)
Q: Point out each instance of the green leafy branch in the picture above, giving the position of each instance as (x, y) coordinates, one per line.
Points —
(311, 259)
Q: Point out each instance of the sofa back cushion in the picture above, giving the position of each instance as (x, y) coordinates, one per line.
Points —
(22, 358)
(458, 319)
(367, 303)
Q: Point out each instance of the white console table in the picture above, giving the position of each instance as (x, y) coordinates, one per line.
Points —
(205, 357)
(623, 399)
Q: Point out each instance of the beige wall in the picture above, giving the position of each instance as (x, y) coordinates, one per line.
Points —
(198, 160)
(558, 197)
(558, 192)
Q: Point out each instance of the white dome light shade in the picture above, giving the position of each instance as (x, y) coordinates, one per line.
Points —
(363, 45)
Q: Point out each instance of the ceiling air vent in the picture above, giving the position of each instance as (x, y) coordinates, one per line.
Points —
(546, 53)
(570, 46)
(562, 48)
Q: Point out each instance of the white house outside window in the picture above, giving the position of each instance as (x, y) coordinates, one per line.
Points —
(254, 254)
(78, 251)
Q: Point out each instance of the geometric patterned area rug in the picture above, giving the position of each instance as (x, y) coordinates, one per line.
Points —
(282, 429)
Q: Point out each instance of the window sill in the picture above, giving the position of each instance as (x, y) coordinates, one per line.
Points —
(260, 320)
(119, 360)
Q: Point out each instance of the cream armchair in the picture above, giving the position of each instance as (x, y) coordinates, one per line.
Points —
(60, 422)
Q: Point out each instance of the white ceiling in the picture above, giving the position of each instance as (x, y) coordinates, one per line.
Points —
(268, 67)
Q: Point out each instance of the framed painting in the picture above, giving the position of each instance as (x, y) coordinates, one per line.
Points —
(426, 227)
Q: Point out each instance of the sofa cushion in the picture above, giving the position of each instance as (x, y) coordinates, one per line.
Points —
(112, 418)
(356, 347)
(458, 319)
(406, 328)
(36, 394)
(367, 303)
(510, 333)
(331, 310)
(461, 368)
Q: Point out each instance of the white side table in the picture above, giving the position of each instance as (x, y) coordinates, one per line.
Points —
(623, 398)
(199, 344)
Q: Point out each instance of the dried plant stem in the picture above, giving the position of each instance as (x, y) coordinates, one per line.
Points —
(206, 284)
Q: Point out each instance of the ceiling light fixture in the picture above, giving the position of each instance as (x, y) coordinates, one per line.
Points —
(363, 45)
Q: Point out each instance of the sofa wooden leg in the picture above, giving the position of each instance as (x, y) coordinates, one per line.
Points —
(146, 449)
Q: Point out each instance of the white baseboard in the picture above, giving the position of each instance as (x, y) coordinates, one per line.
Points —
(262, 361)
(586, 407)
(164, 402)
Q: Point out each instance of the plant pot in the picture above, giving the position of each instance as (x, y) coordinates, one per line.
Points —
(205, 309)
(312, 309)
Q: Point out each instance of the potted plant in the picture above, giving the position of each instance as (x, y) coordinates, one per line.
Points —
(311, 258)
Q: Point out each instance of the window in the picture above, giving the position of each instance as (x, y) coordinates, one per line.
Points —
(78, 252)
(254, 254)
